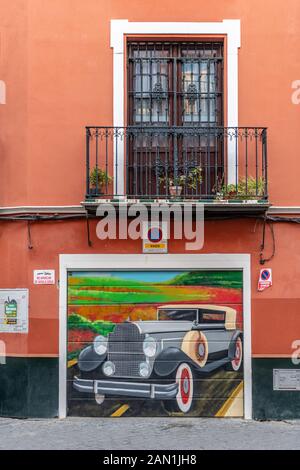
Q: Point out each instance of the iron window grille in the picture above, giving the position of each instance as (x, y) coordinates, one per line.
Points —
(175, 136)
(175, 83)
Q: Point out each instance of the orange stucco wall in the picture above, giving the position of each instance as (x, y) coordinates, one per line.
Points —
(57, 64)
(275, 312)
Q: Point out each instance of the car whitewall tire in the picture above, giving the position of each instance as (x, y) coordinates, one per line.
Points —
(238, 355)
(184, 379)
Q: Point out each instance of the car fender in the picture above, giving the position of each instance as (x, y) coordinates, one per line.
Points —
(231, 349)
(168, 360)
(89, 360)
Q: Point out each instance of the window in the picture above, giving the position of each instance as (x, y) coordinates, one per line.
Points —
(211, 316)
(175, 94)
(177, 314)
(175, 83)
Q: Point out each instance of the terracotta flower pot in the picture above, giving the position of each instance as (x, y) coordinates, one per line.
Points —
(175, 190)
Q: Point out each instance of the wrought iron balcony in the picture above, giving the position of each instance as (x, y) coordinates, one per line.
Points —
(210, 164)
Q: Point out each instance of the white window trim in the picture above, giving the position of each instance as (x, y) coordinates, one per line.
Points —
(119, 28)
(155, 262)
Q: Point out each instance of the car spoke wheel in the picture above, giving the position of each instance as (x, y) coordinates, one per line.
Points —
(184, 398)
(238, 355)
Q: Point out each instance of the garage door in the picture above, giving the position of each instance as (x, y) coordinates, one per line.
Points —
(155, 343)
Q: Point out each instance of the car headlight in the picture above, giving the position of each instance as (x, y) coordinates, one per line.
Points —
(108, 368)
(100, 345)
(150, 346)
(144, 369)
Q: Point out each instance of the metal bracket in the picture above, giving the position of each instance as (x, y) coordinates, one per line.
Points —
(29, 244)
(263, 260)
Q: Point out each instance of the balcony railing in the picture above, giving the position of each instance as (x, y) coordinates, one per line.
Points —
(186, 163)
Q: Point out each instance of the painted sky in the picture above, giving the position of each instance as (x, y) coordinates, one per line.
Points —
(145, 276)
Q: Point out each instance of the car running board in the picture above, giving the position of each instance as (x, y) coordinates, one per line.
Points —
(214, 365)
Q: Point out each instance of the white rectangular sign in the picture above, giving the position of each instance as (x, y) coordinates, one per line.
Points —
(14, 310)
(44, 276)
(286, 379)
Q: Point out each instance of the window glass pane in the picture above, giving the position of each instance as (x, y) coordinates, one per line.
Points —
(177, 314)
(212, 317)
(198, 84)
(147, 111)
(142, 77)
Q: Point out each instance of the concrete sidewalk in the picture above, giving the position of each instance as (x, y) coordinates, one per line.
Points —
(148, 433)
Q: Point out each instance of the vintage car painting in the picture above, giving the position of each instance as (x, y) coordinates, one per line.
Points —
(162, 359)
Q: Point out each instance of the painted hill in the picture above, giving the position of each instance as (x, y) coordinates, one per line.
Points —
(232, 279)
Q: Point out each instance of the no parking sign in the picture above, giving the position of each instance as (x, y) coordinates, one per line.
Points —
(265, 279)
(155, 237)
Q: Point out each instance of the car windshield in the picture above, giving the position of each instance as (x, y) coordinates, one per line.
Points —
(177, 314)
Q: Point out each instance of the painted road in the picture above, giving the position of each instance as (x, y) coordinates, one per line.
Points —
(219, 395)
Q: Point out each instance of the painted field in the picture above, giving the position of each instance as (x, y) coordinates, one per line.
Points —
(119, 288)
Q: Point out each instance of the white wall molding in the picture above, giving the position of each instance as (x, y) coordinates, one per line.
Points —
(120, 28)
(284, 210)
(79, 209)
(15, 210)
(112, 262)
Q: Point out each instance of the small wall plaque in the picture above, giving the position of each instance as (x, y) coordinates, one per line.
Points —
(286, 379)
(14, 310)
(44, 276)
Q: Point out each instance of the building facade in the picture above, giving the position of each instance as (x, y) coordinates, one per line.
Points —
(118, 103)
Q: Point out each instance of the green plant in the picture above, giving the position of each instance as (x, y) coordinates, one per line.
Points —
(194, 178)
(177, 180)
(99, 178)
(247, 188)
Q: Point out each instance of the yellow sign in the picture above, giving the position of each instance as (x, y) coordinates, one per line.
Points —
(156, 245)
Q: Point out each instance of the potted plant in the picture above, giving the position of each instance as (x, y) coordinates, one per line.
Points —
(98, 180)
(174, 183)
(246, 189)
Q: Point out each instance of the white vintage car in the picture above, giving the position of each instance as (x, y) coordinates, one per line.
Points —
(160, 359)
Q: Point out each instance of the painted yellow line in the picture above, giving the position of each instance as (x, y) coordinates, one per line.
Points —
(120, 411)
(225, 407)
(72, 362)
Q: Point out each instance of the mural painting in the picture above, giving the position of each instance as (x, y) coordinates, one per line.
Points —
(155, 343)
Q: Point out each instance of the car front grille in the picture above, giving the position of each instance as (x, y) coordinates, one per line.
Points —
(125, 349)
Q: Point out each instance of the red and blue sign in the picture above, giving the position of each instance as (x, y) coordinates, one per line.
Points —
(265, 279)
(155, 238)
(155, 234)
(265, 274)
